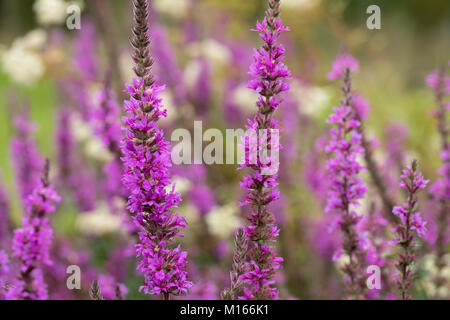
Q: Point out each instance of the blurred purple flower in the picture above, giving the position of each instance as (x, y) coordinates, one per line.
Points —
(31, 243)
(343, 61)
(26, 160)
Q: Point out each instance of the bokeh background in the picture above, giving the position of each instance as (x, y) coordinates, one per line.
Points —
(212, 38)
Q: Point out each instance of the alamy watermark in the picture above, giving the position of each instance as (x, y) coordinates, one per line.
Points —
(374, 20)
(73, 21)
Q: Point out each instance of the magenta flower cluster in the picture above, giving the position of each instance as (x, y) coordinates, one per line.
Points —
(31, 243)
(346, 186)
(269, 75)
(147, 162)
(411, 223)
(146, 175)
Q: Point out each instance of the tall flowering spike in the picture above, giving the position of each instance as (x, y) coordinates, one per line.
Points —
(346, 187)
(146, 159)
(269, 79)
(440, 189)
(26, 160)
(4, 213)
(31, 243)
(410, 227)
(140, 41)
(4, 271)
(238, 267)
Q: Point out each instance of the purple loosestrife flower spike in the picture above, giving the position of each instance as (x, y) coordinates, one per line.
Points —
(146, 159)
(31, 243)
(238, 267)
(140, 42)
(411, 226)
(4, 271)
(269, 75)
(360, 111)
(440, 190)
(26, 160)
(346, 187)
(4, 213)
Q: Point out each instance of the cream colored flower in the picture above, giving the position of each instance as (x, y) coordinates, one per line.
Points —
(95, 149)
(168, 103)
(23, 66)
(33, 40)
(245, 98)
(126, 66)
(98, 222)
(190, 212)
(174, 8)
(80, 129)
(301, 5)
(91, 144)
(223, 221)
(312, 100)
(191, 73)
(215, 53)
(182, 185)
(50, 12)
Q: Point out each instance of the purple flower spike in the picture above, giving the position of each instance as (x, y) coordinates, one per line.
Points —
(411, 226)
(146, 159)
(4, 213)
(26, 160)
(439, 210)
(342, 63)
(31, 243)
(269, 75)
(346, 187)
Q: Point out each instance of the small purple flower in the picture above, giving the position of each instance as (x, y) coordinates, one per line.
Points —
(343, 61)
(434, 81)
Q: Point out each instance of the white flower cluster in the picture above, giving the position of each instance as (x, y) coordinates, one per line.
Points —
(212, 50)
(300, 5)
(174, 8)
(53, 12)
(432, 273)
(223, 221)
(99, 222)
(50, 12)
(23, 61)
(92, 146)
